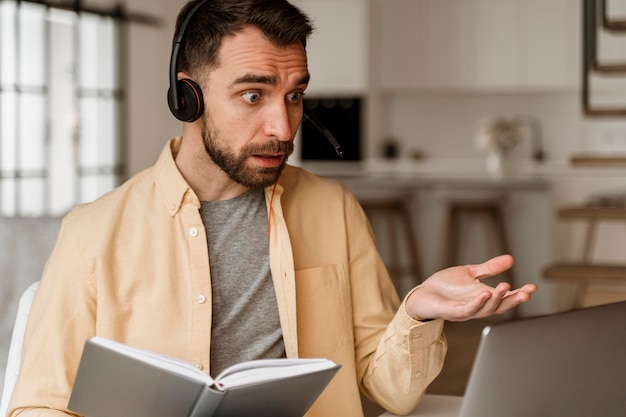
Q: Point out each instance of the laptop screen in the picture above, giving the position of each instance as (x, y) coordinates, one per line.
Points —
(570, 364)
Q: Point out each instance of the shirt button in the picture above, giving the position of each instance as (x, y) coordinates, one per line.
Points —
(418, 374)
(198, 365)
(193, 232)
(201, 299)
(189, 197)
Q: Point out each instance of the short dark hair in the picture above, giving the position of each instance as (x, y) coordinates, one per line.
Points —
(281, 22)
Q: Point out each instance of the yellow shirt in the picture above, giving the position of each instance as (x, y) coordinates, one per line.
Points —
(133, 266)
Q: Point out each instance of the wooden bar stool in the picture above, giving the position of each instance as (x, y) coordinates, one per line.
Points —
(392, 216)
(586, 271)
(490, 212)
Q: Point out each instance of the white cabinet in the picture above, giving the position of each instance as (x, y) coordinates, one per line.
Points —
(476, 44)
(338, 50)
(440, 45)
(551, 43)
(400, 42)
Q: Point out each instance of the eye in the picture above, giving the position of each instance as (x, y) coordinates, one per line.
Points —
(251, 96)
(295, 97)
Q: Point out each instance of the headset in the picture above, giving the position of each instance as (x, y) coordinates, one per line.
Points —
(184, 96)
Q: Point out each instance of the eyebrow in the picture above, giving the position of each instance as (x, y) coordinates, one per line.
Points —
(255, 79)
(266, 79)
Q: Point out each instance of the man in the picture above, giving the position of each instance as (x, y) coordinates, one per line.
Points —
(221, 253)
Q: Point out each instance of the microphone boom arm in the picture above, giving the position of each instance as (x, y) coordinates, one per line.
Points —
(307, 115)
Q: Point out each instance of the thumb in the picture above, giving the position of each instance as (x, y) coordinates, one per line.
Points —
(493, 266)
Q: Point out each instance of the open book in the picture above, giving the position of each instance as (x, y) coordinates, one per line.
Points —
(115, 379)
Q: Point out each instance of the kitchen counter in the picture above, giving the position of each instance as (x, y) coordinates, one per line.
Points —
(443, 180)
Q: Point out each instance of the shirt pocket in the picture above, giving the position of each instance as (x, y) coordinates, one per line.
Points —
(324, 311)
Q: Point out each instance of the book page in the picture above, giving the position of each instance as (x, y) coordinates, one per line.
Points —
(236, 375)
(268, 369)
(161, 361)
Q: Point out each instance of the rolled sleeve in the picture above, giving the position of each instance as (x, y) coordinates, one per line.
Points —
(408, 358)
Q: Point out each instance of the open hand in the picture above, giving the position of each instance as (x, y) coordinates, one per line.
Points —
(457, 293)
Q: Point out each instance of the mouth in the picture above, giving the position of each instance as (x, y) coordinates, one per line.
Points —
(269, 160)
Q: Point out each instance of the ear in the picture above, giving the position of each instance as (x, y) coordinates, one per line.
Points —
(182, 75)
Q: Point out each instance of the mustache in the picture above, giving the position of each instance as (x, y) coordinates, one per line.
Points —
(272, 147)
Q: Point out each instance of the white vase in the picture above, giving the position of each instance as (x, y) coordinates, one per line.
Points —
(497, 165)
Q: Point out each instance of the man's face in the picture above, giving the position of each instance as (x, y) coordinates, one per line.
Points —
(253, 102)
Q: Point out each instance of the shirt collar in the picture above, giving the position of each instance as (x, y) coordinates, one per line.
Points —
(170, 182)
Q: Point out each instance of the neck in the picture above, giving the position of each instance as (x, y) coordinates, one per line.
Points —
(206, 179)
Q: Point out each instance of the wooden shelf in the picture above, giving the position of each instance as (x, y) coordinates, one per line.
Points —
(591, 212)
(603, 161)
(584, 272)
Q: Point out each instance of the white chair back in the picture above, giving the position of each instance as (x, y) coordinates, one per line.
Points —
(15, 349)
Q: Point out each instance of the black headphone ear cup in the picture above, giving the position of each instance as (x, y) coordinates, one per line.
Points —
(190, 101)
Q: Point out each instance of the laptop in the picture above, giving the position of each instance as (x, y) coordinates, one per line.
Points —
(570, 364)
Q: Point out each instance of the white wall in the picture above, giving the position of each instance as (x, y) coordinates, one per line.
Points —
(150, 121)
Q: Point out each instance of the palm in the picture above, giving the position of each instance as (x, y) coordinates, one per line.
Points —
(457, 293)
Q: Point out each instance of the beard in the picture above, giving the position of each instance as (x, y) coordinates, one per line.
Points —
(234, 165)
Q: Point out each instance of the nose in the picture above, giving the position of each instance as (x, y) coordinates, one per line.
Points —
(280, 122)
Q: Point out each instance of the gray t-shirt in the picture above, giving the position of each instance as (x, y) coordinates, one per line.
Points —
(245, 313)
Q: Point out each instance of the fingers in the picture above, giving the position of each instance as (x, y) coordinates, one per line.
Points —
(484, 304)
(526, 288)
(499, 301)
(512, 299)
(493, 305)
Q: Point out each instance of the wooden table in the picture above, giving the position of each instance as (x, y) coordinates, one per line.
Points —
(435, 406)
